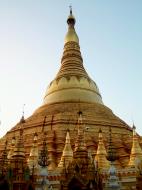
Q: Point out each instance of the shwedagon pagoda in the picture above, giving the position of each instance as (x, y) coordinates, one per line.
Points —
(73, 141)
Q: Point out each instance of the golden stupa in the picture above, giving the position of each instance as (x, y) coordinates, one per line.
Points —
(73, 91)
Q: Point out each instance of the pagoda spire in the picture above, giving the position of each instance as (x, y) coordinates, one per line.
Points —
(33, 157)
(67, 154)
(72, 62)
(22, 120)
(70, 9)
(11, 151)
(71, 35)
(72, 81)
(19, 151)
(18, 161)
(80, 142)
(101, 153)
(136, 151)
(80, 145)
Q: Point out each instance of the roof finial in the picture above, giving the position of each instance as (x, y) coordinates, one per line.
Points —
(70, 9)
(22, 120)
(23, 112)
(133, 127)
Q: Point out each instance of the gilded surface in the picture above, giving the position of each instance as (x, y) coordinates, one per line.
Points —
(72, 91)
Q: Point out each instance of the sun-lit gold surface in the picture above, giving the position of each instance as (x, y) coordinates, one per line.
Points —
(136, 151)
(71, 35)
(67, 154)
(101, 154)
(72, 91)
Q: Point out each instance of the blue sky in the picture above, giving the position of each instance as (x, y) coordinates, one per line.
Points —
(31, 42)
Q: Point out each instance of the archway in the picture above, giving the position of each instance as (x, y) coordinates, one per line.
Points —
(75, 185)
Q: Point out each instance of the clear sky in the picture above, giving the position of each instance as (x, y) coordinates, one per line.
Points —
(31, 43)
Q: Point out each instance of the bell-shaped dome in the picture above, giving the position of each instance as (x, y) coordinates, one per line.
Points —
(72, 82)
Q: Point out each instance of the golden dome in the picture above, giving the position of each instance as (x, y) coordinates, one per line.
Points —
(71, 91)
(72, 82)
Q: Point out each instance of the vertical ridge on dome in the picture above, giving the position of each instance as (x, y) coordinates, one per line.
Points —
(80, 144)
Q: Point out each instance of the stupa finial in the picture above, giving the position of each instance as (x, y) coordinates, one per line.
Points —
(23, 109)
(70, 9)
(22, 120)
(71, 19)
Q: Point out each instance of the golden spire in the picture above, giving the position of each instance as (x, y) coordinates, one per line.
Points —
(72, 62)
(19, 151)
(136, 151)
(80, 145)
(101, 153)
(33, 157)
(67, 154)
(70, 9)
(80, 141)
(71, 35)
(72, 81)
(11, 151)
(22, 120)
